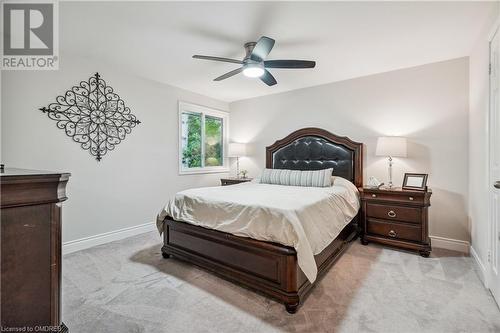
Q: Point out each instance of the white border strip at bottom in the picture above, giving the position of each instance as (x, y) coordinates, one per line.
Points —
(450, 244)
(87, 242)
(481, 268)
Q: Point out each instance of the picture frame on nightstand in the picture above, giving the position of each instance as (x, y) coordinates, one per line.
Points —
(415, 181)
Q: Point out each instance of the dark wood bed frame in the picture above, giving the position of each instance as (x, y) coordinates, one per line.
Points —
(268, 268)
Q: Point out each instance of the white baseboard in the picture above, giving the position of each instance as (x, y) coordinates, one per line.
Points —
(450, 244)
(481, 268)
(86, 242)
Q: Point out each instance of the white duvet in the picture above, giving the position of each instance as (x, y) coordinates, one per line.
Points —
(306, 218)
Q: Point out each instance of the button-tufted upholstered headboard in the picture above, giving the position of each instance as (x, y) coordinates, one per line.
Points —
(314, 149)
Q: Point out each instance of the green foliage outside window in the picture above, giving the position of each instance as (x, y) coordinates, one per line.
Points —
(192, 131)
(191, 154)
(213, 141)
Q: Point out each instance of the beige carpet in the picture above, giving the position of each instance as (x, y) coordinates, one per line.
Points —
(126, 286)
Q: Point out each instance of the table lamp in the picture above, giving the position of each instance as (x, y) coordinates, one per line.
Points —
(391, 146)
(237, 150)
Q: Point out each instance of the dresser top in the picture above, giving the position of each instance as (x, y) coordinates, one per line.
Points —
(15, 172)
(22, 187)
(395, 190)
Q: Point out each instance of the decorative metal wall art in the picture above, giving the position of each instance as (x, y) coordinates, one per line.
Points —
(93, 115)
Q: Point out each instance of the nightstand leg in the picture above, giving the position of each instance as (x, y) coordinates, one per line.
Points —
(364, 241)
(424, 253)
(291, 307)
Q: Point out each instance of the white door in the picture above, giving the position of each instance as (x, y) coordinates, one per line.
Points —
(494, 166)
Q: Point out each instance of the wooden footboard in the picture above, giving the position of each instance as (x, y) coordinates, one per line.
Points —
(265, 267)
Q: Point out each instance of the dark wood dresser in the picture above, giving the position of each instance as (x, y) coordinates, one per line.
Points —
(396, 217)
(232, 181)
(31, 250)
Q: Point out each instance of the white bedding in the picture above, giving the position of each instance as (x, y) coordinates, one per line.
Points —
(306, 218)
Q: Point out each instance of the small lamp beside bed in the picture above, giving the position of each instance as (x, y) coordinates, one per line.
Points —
(237, 150)
(391, 146)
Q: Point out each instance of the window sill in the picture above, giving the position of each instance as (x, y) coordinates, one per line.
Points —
(204, 171)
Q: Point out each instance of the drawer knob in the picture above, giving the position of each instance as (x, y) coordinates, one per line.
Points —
(374, 195)
(410, 198)
(392, 233)
(391, 213)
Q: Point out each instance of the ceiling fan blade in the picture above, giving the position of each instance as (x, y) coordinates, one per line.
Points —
(289, 64)
(234, 61)
(268, 78)
(262, 48)
(229, 74)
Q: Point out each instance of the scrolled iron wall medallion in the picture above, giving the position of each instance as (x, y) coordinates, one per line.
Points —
(93, 115)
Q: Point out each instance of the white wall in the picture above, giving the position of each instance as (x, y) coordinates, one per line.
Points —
(130, 185)
(478, 146)
(428, 104)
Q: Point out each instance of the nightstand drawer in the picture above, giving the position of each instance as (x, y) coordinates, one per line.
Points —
(394, 197)
(390, 212)
(394, 230)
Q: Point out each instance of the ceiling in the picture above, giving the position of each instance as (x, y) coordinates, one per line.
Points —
(156, 40)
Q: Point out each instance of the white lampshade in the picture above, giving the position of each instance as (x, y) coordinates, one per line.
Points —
(393, 146)
(237, 149)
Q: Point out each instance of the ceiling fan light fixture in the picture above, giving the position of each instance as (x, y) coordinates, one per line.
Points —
(255, 65)
(253, 70)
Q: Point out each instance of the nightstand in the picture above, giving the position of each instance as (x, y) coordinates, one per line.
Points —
(396, 217)
(233, 180)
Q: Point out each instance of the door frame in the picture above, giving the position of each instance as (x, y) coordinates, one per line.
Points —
(491, 240)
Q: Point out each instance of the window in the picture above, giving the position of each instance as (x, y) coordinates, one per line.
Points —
(202, 139)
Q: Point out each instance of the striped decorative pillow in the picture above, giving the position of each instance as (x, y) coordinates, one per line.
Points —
(311, 178)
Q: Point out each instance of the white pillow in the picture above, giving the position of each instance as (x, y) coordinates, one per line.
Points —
(311, 178)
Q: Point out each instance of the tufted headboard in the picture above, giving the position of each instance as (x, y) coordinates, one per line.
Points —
(314, 149)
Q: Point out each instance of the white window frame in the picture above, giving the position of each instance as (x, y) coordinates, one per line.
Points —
(204, 111)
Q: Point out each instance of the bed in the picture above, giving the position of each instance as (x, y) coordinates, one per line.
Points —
(272, 268)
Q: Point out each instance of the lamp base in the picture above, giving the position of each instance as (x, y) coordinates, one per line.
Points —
(389, 183)
(237, 167)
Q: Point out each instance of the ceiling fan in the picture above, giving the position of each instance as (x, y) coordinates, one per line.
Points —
(254, 63)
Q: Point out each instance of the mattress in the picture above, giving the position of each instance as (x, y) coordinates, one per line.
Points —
(305, 218)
